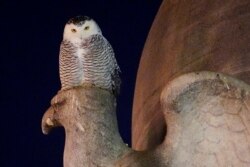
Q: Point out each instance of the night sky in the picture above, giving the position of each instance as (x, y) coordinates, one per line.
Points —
(30, 38)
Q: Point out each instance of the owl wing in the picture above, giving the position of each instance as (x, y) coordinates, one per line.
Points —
(115, 70)
(101, 47)
(116, 81)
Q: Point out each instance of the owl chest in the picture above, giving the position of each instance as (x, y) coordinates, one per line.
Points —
(95, 67)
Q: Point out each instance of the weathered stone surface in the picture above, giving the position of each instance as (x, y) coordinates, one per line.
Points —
(88, 115)
(188, 36)
(208, 118)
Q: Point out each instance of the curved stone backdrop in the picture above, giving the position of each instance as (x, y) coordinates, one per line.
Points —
(187, 36)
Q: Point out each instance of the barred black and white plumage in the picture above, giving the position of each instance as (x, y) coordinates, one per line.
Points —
(86, 57)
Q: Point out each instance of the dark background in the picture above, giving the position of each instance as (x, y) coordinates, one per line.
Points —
(31, 33)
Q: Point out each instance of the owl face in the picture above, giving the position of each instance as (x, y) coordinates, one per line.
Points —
(80, 28)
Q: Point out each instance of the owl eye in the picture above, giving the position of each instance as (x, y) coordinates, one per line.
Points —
(73, 30)
(86, 28)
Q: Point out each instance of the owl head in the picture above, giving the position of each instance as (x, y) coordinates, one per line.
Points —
(79, 28)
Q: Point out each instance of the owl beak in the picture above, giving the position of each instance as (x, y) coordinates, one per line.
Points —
(81, 37)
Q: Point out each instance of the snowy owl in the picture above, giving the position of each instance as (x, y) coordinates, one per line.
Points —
(86, 57)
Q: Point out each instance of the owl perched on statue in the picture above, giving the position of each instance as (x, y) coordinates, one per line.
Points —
(86, 57)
